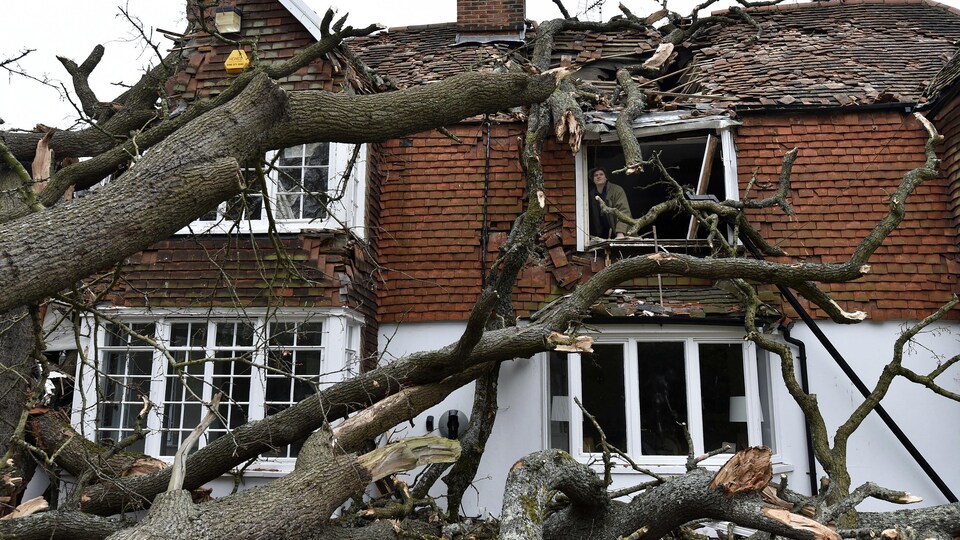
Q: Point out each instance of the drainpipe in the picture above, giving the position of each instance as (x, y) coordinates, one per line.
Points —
(857, 382)
(485, 229)
(805, 386)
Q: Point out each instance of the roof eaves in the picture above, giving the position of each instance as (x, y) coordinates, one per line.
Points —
(307, 17)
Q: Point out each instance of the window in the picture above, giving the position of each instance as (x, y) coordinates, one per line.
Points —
(699, 155)
(643, 386)
(262, 365)
(306, 188)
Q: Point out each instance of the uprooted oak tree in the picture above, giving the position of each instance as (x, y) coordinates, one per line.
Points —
(193, 164)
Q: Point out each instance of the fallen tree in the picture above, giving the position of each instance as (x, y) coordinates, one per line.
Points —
(193, 164)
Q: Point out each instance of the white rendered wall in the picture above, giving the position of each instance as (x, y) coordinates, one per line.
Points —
(518, 430)
(930, 421)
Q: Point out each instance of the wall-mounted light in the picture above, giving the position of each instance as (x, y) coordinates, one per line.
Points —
(227, 20)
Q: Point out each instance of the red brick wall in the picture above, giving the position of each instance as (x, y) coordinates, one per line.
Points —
(490, 15)
(432, 218)
(848, 165)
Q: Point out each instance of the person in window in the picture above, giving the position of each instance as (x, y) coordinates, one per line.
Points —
(604, 225)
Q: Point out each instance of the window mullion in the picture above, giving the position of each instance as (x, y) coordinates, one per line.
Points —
(157, 389)
(333, 359)
(258, 382)
(694, 407)
(752, 386)
(575, 391)
(632, 394)
(85, 397)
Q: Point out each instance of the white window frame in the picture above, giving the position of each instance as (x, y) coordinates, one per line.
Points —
(723, 127)
(349, 211)
(340, 343)
(691, 336)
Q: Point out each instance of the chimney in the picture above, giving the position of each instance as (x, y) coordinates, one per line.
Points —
(490, 16)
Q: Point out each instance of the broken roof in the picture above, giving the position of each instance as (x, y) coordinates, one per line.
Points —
(945, 84)
(832, 53)
(822, 54)
(416, 55)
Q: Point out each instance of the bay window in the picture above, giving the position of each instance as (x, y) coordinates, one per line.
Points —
(644, 388)
(262, 365)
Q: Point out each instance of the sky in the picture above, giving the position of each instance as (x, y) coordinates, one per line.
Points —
(71, 28)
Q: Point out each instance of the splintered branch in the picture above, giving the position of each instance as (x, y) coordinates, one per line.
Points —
(865, 491)
(178, 469)
(568, 120)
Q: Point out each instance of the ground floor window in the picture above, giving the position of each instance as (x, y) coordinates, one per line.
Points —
(262, 365)
(645, 387)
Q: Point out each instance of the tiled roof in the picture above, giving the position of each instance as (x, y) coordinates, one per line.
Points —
(815, 54)
(674, 302)
(422, 54)
(318, 269)
(830, 53)
(946, 84)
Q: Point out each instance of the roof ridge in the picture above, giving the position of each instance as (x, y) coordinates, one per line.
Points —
(420, 27)
(836, 3)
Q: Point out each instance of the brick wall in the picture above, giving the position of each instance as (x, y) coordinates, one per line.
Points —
(280, 35)
(490, 15)
(432, 217)
(848, 165)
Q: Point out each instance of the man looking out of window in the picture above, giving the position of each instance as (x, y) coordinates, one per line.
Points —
(605, 225)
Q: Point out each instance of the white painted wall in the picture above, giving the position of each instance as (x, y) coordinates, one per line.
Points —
(929, 420)
(518, 430)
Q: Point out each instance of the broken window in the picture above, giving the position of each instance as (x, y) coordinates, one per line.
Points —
(701, 161)
(644, 389)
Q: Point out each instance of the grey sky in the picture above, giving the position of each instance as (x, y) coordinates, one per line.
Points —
(71, 28)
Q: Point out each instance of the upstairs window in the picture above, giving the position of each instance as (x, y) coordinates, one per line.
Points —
(703, 161)
(307, 188)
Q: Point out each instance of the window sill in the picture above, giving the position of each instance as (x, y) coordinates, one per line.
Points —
(622, 468)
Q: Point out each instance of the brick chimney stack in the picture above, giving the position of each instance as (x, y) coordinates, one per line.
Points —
(493, 16)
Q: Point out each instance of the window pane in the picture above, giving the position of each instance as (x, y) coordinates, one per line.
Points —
(315, 179)
(295, 354)
(663, 398)
(723, 397)
(559, 402)
(291, 157)
(766, 411)
(601, 374)
(317, 154)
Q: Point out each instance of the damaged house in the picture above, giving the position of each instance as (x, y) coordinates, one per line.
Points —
(385, 246)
